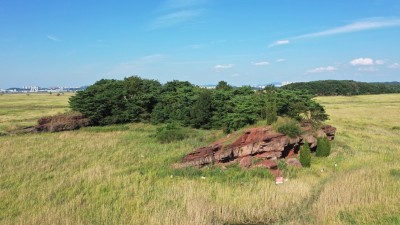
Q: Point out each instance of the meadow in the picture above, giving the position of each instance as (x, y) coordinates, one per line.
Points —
(120, 175)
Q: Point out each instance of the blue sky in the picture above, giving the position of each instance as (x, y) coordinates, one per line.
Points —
(72, 43)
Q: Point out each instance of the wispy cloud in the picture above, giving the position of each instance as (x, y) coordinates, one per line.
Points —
(322, 69)
(367, 69)
(263, 63)
(196, 46)
(280, 60)
(280, 42)
(361, 25)
(138, 64)
(175, 18)
(395, 66)
(223, 66)
(176, 12)
(181, 4)
(53, 38)
(366, 24)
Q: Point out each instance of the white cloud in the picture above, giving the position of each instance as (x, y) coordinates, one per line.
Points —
(53, 38)
(280, 60)
(366, 24)
(379, 62)
(264, 63)
(174, 18)
(235, 75)
(280, 42)
(395, 66)
(367, 69)
(323, 69)
(361, 25)
(362, 62)
(223, 66)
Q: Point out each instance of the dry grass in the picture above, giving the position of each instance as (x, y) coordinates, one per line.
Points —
(21, 110)
(120, 175)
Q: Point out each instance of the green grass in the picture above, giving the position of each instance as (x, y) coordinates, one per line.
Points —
(121, 175)
(22, 110)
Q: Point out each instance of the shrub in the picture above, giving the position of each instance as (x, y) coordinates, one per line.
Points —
(305, 155)
(287, 126)
(61, 122)
(323, 147)
(170, 132)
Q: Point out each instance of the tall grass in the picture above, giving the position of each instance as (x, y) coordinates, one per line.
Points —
(121, 175)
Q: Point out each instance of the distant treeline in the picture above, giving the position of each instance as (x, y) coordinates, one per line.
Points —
(344, 87)
(141, 100)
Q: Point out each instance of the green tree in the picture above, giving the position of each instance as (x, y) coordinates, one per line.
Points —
(103, 103)
(323, 147)
(305, 155)
(201, 111)
(141, 96)
(271, 109)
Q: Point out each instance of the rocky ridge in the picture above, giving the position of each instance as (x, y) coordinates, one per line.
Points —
(256, 147)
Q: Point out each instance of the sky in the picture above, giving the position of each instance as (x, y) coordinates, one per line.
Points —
(252, 42)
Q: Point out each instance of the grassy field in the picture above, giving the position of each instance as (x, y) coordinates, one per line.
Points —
(21, 110)
(120, 175)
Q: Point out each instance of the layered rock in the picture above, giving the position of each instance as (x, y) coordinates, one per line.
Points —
(257, 147)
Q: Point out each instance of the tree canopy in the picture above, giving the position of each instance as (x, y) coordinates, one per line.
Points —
(141, 100)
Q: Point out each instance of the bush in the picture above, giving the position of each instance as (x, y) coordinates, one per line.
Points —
(323, 147)
(305, 155)
(61, 122)
(170, 132)
(288, 127)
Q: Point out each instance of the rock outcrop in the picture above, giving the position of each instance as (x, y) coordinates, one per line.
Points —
(257, 147)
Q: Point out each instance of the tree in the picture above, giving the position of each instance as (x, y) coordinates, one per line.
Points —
(141, 96)
(103, 103)
(323, 147)
(305, 155)
(271, 110)
(201, 111)
(223, 85)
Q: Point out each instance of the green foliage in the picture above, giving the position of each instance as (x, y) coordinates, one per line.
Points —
(170, 132)
(305, 155)
(201, 110)
(140, 100)
(271, 110)
(244, 112)
(323, 147)
(288, 127)
(343, 87)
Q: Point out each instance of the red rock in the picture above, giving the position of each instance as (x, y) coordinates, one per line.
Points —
(262, 143)
(293, 162)
(246, 162)
(268, 164)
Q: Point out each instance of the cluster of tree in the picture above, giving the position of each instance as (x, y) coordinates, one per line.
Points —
(344, 87)
(141, 100)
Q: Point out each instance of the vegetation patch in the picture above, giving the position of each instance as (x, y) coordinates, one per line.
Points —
(287, 126)
(229, 108)
(323, 147)
(171, 132)
(112, 128)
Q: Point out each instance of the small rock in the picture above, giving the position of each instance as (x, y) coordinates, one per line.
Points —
(293, 162)
(245, 162)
